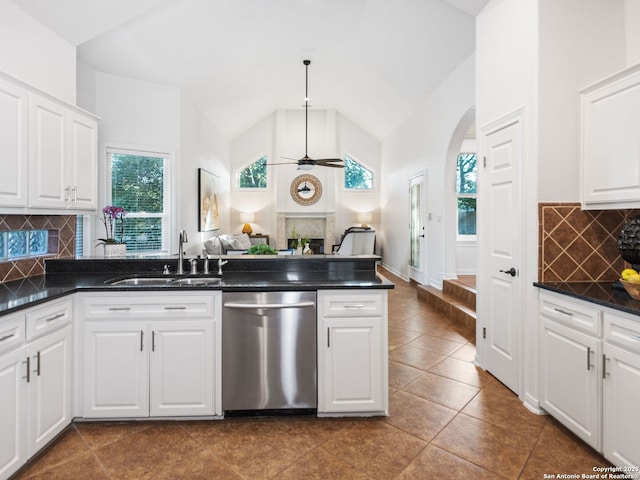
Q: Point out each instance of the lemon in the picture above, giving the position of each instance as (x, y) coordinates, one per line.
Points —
(634, 278)
(627, 272)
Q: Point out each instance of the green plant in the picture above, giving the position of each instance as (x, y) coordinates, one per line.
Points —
(262, 249)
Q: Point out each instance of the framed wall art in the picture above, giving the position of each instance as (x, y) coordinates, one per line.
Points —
(208, 212)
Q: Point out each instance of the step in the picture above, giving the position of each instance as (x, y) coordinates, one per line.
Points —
(461, 291)
(450, 305)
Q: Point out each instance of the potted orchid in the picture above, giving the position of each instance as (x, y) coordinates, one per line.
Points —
(113, 220)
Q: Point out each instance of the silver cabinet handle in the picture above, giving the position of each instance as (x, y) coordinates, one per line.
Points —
(7, 337)
(179, 307)
(153, 340)
(67, 195)
(589, 365)
(55, 317)
(28, 376)
(269, 305)
(116, 309)
(328, 337)
(564, 312)
(74, 194)
(355, 305)
(141, 340)
(37, 370)
(605, 374)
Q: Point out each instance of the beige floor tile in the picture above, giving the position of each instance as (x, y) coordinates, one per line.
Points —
(319, 464)
(374, 447)
(202, 466)
(400, 336)
(442, 390)
(461, 371)
(415, 357)
(401, 375)
(83, 466)
(466, 353)
(436, 344)
(435, 463)
(67, 447)
(99, 434)
(143, 454)
(558, 451)
(418, 416)
(504, 409)
(500, 450)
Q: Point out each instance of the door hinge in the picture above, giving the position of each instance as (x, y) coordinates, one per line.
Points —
(484, 162)
(484, 332)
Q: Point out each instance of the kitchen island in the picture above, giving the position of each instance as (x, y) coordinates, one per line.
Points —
(94, 348)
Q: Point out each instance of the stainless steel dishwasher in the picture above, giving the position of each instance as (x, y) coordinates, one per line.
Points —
(269, 352)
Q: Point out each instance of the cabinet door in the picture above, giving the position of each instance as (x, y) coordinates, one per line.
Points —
(48, 187)
(571, 382)
(350, 360)
(49, 388)
(13, 401)
(621, 422)
(14, 147)
(610, 150)
(182, 368)
(116, 369)
(82, 162)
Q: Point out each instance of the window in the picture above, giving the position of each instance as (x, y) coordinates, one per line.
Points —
(140, 184)
(17, 244)
(466, 176)
(356, 175)
(255, 175)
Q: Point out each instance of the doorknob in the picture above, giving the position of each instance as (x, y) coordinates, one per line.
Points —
(511, 271)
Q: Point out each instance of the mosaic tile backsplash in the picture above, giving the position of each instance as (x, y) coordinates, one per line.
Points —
(62, 237)
(580, 245)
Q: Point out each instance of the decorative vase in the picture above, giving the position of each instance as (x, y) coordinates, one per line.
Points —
(115, 250)
(307, 250)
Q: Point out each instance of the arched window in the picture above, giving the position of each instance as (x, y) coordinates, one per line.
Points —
(254, 175)
(356, 175)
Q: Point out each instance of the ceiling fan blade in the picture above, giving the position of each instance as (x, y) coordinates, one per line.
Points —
(321, 161)
(282, 163)
(334, 165)
(289, 158)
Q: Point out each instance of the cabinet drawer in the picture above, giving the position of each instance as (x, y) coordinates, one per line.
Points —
(622, 331)
(12, 331)
(154, 307)
(337, 304)
(48, 318)
(572, 313)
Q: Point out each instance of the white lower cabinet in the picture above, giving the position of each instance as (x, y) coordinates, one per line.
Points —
(571, 373)
(35, 382)
(352, 352)
(590, 374)
(160, 362)
(621, 389)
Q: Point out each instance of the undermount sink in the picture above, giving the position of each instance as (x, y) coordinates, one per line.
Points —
(137, 281)
(141, 281)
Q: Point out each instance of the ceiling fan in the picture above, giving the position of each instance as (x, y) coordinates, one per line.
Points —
(307, 163)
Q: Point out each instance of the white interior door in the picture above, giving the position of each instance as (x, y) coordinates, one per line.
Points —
(500, 314)
(417, 231)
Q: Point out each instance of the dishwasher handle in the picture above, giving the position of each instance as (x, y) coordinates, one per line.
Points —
(268, 305)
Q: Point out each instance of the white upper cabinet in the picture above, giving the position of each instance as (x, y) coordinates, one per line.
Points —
(48, 152)
(14, 147)
(611, 142)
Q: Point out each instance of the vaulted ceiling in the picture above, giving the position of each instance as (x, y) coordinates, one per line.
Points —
(239, 60)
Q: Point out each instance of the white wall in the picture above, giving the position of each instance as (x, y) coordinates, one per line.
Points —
(570, 58)
(424, 141)
(202, 145)
(150, 116)
(281, 134)
(35, 55)
(632, 20)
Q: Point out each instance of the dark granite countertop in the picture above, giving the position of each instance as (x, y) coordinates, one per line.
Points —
(64, 277)
(607, 294)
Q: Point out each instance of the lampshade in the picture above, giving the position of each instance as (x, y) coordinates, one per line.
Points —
(247, 219)
(364, 218)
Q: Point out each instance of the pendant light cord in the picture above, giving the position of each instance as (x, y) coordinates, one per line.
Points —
(306, 106)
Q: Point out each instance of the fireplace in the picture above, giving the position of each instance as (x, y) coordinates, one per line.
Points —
(315, 244)
(319, 227)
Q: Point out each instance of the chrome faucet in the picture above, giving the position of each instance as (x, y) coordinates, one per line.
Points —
(182, 239)
(220, 264)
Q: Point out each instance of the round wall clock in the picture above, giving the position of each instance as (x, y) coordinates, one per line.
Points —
(306, 189)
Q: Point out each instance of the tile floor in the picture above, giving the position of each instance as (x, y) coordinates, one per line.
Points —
(448, 420)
